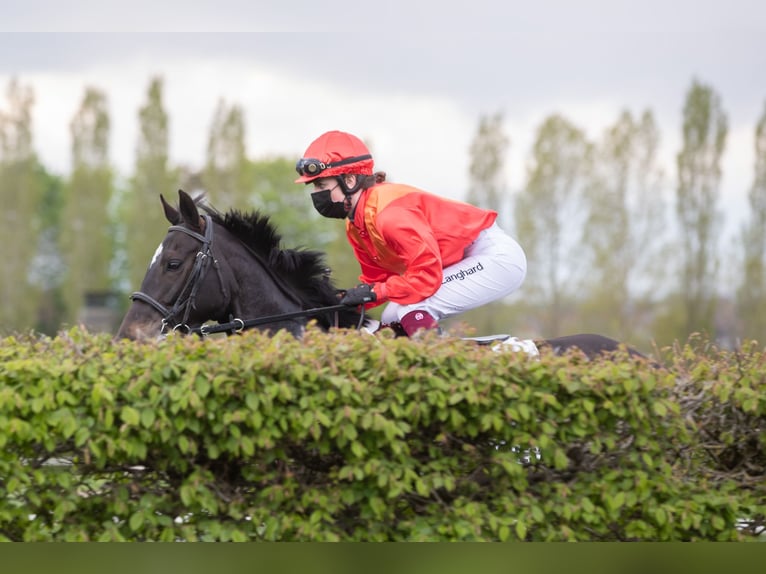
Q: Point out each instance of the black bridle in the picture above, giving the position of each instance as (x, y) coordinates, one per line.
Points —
(186, 300)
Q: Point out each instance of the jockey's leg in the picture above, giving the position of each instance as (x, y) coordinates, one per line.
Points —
(493, 266)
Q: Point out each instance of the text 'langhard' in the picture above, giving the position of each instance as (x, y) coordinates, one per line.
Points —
(460, 275)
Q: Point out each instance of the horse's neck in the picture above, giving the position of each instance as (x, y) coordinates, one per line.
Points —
(257, 290)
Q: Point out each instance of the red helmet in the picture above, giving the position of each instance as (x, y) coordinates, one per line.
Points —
(334, 153)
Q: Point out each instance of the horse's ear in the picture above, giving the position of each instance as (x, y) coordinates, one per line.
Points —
(170, 212)
(189, 212)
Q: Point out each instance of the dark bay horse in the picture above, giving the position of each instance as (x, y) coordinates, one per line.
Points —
(230, 268)
(226, 268)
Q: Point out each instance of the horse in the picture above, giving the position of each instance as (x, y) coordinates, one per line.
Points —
(223, 267)
(256, 283)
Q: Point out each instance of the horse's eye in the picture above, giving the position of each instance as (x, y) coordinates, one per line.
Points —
(173, 264)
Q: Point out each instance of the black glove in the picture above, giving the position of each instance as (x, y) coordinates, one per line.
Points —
(357, 295)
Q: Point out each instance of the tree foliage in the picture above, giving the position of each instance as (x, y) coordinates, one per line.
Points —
(699, 175)
(624, 227)
(226, 177)
(289, 204)
(144, 223)
(87, 238)
(752, 292)
(48, 268)
(549, 218)
(486, 183)
(21, 191)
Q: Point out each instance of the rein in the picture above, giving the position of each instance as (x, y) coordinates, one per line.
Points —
(193, 281)
(237, 325)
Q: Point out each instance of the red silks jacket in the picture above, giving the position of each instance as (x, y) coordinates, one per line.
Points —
(404, 237)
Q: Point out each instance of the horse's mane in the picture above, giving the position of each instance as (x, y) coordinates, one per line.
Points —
(303, 269)
(254, 229)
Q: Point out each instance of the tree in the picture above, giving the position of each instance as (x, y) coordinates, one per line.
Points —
(87, 237)
(21, 191)
(145, 223)
(486, 187)
(549, 218)
(289, 204)
(699, 176)
(227, 170)
(624, 226)
(751, 296)
(48, 269)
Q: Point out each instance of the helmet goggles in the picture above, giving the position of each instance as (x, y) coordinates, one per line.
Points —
(313, 167)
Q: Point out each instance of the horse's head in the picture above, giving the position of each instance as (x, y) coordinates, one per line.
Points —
(176, 293)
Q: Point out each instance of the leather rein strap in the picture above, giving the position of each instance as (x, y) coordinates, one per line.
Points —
(237, 325)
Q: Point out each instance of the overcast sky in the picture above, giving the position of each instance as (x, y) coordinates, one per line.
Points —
(412, 78)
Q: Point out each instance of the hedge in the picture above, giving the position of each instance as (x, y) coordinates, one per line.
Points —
(348, 437)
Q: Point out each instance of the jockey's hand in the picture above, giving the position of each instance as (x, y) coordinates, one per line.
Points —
(340, 293)
(358, 295)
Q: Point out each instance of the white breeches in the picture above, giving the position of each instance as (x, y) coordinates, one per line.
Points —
(493, 267)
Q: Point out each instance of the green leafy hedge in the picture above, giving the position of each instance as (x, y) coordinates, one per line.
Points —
(343, 436)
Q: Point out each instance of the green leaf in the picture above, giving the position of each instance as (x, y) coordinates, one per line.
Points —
(750, 405)
(521, 530)
(525, 412)
(130, 416)
(187, 495)
(252, 401)
(248, 447)
(350, 432)
(202, 386)
(323, 419)
(378, 506)
(81, 436)
(718, 522)
(455, 398)
(560, 459)
(421, 488)
(147, 417)
(358, 450)
(136, 520)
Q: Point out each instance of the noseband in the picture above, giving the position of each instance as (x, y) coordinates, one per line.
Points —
(186, 299)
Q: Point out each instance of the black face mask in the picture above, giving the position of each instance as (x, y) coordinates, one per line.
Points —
(326, 206)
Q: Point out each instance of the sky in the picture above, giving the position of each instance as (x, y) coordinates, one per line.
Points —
(411, 78)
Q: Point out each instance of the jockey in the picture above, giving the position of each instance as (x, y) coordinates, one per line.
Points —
(428, 257)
